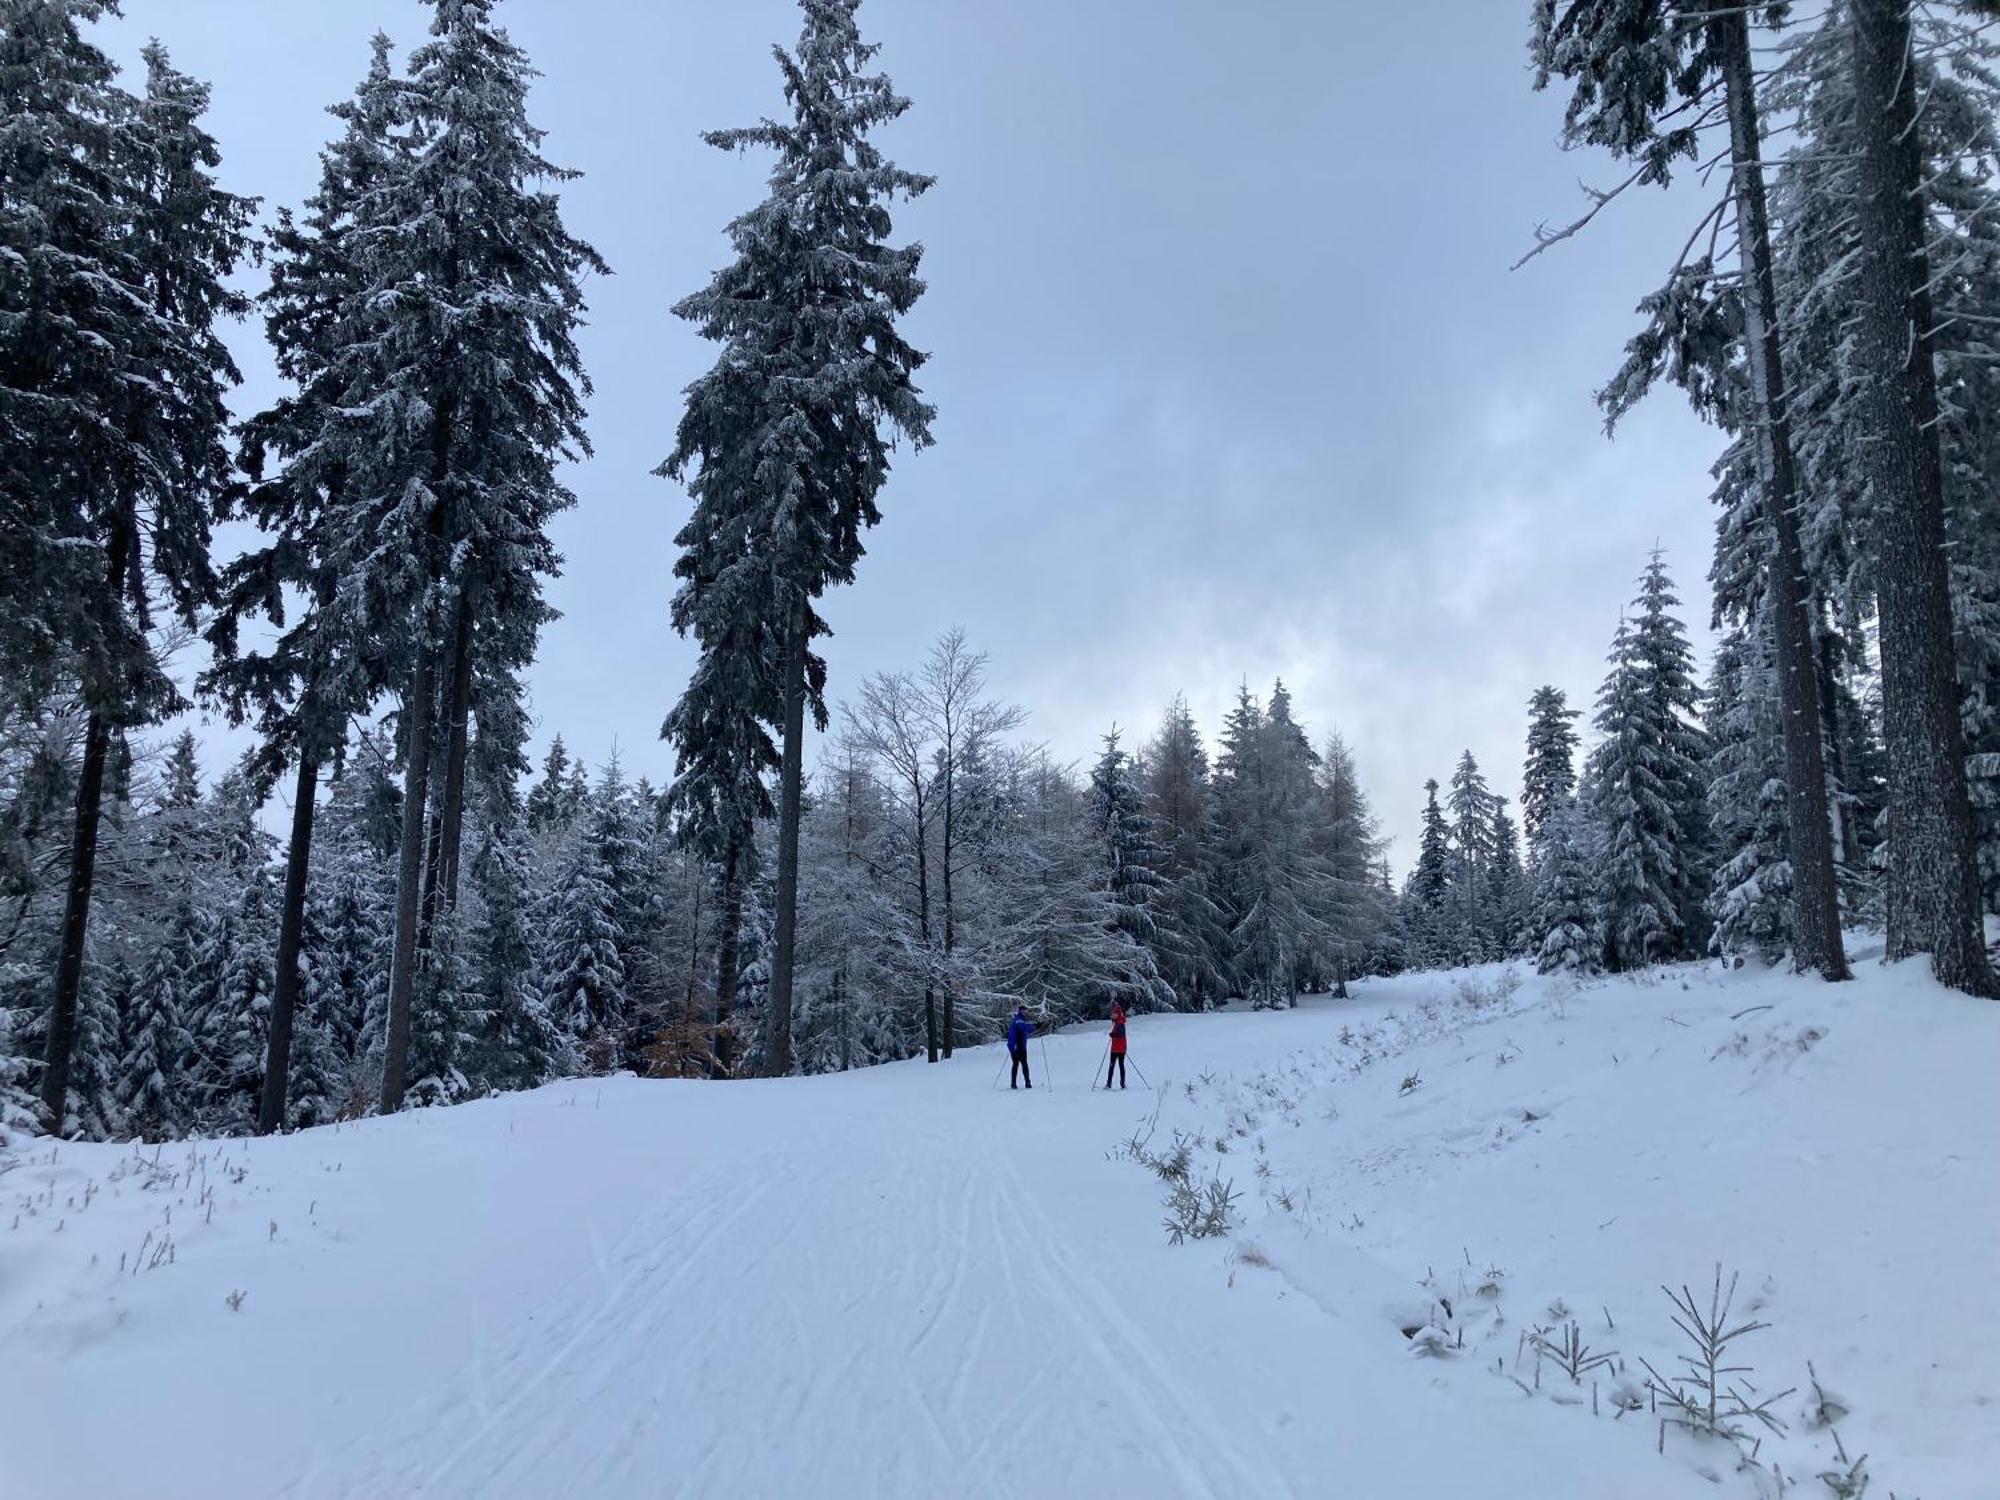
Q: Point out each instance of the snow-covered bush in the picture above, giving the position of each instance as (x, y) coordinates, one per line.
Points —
(1200, 1213)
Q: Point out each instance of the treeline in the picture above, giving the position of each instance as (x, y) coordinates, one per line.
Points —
(949, 870)
(1667, 840)
(1834, 311)
(422, 307)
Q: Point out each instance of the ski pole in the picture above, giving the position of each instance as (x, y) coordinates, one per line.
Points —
(999, 1070)
(1103, 1058)
(1143, 1081)
(1045, 1064)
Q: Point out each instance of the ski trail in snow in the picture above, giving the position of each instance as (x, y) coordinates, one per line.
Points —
(1118, 1345)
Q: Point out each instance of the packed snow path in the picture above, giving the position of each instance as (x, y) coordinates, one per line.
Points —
(905, 1281)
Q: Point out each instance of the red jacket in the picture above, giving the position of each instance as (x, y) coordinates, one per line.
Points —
(1117, 1031)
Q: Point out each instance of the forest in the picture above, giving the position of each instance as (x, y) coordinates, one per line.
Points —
(441, 916)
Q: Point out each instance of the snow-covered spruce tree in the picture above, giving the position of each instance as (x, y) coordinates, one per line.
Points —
(150, 1097)
(1933, 887)
(1506, 887)
(1645, 784)
(1819, 266)
(1471, 807)
(1347, 840)
(1276, 890)
(233, 973)
(17, 1110)
(723, 752)
(1646, 76)
(327, 656)
(473, 398)
(1564, 927)
(1128, 846)
(581, 973)
(118, 249)
(1660, 643)
(784, 444)
(1746, 806)
(519, 1045)
(1428, 886)
(1548, 779)
(1193, 944)
(849, 1015)
(350, 903)
(556, 800)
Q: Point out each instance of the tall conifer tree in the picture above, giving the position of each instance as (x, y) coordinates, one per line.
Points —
(784, 444)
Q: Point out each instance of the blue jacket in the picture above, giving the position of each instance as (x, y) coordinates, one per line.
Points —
(1018, 1031)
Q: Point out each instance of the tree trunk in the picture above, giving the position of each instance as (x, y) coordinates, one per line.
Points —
(82, 860)
(791, 775)
(447, 821)
(409, 877)
(840, 1017)
(728, 935)
(950, 1025)
(1816, 940)
(1933, 888)
(1833, 733)
(76, 920)
(291, 924)
(924, 926)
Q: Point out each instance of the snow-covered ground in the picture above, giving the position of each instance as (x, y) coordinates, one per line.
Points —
(909, 1282)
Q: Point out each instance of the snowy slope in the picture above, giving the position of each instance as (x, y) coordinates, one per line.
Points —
(908, 1282)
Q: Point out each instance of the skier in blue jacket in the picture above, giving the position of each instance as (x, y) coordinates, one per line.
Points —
(1018, 1031)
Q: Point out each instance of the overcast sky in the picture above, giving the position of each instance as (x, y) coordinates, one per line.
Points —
(1233, 380)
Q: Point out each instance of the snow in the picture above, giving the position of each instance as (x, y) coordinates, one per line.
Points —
(905, 1281)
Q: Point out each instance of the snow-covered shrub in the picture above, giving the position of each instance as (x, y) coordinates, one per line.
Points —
(1200, 1213)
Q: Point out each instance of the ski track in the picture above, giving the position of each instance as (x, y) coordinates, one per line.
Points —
(974, 1328)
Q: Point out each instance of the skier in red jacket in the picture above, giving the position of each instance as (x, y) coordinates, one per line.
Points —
(1117, 1064)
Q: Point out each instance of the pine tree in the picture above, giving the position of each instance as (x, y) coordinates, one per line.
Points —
(1130, 850)
(1646, 75)
(149, 1095)
(350, 899)
(1548, 780)
(1468, 909)
(17, 1110)
(472, 272)
(1660, 644)
(119, 247)
(326, 661)
(1348, 841)
(1429, 885)
(1194, 937)
(1646, 785)
(1276, 891)
(557, 799)
(784, 442)
(1746, 805)
(234, 974)
(1820, 266)
(1934, 902)
(1564, 926)
(1506, 886)
(581, 973)
(521, 1046)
